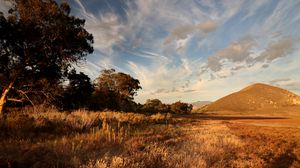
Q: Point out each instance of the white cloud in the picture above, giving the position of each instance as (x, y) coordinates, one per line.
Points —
(279, 19)
(106, 29)
(253, 7)
(153, 44)
(276, 81)
(161, 80)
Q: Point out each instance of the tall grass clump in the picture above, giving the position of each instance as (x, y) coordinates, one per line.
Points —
(49, 138)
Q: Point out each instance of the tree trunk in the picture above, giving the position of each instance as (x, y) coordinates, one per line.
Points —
(3, 97)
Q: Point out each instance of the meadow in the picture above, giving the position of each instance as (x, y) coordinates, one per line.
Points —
(113, 139)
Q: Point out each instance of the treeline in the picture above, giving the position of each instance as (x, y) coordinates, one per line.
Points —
(155, 105)
(39, 44)
(111, 91)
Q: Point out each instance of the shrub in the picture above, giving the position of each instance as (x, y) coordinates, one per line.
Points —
(181, 108)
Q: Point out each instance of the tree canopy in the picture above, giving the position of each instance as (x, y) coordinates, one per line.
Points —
(181, 108)
(39, 40)
(78, 92)
(115, 90)
(155, 106)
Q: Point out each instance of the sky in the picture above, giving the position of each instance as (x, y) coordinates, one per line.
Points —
(194, 50)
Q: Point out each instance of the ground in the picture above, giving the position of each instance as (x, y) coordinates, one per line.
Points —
(111, 139)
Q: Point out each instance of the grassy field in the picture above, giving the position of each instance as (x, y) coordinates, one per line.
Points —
(112, 139)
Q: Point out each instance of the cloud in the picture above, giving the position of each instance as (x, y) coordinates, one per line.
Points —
(291, 84)
(244, 54)
(106, 28)
(164, 91)
(236, 52)
(254, 8)
(276, 81)
(149, 55)
(190, 90)
(265, 66)
(207, 26)
(162, 79)
(281, 18)
(214, 64)
(169, 45)
(237, 68)
(181, 33)
(276, 50)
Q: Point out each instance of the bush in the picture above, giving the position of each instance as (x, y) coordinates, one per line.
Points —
(181, 108)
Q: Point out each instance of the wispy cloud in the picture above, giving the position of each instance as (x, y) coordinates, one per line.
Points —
(277, 49)
(207, 26)
(180, 49)
(276, 81)
(106, 28)
(242, 54)
(236, 52)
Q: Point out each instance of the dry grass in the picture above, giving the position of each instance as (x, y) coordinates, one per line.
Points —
(54, 139)
(267, 146)
(112, 139)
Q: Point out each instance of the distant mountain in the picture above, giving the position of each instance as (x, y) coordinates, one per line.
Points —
(255, 97)
(200, 104)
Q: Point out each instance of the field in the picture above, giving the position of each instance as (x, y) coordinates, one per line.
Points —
(113, 139)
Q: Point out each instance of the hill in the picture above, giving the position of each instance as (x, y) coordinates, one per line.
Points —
(255, 97)
(200, 104)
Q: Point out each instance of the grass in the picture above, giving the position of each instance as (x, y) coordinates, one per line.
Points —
(112, 139)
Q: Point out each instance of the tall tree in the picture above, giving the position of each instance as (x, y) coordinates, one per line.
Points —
(78, 92)
(39, 40)
(117, 89)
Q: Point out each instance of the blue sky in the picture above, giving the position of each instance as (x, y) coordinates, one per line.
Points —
(194, 50)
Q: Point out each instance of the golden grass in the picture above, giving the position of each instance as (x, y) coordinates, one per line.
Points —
(112, 139)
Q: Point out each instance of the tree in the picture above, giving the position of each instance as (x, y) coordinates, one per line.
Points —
(78, 92)
(115, 90)
(181, 108)
(155, 106)
(39, 40)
